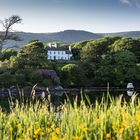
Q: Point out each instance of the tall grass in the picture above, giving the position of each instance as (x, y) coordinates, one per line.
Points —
(109, 119)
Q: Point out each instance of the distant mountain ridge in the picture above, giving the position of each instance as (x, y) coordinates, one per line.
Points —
(67, 36)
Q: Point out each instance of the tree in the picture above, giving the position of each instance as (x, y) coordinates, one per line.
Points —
(95, 50)
(7, 53)
(33, 55)
(125, 67)
(72, 75)
(130, 44)
(7, 25)
(105, 72)
(76, 49)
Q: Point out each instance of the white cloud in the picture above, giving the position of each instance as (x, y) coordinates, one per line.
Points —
(131, 2)
(126, 2)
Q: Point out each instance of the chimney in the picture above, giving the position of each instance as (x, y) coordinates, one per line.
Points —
(55, 45)
(70, 48)
(50, 45)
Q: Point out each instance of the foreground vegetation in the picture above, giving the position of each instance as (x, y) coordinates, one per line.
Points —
(113, 119)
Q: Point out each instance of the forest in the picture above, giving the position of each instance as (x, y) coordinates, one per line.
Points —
(113, 60)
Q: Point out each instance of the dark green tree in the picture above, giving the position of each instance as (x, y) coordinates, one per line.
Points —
(33, 55)
(95, 50)
(125, 67)
(72, 75)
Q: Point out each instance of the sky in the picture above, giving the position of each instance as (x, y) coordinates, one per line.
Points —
(98, 16)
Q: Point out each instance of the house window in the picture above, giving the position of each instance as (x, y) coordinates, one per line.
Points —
(62, 52)
(54, 52)
(58, 52)
(50, 52)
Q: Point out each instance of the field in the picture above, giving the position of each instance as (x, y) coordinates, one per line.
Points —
(108, 119)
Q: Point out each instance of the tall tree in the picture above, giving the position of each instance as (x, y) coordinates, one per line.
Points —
(7, 25)
(33, 55)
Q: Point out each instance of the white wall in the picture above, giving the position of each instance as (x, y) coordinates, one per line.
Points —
(58, 55)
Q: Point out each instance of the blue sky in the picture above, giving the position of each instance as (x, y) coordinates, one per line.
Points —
(57, 15)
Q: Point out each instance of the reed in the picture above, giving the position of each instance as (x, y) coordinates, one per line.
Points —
(109, 119)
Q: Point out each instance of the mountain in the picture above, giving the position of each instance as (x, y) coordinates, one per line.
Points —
(70, 36)
(67, 36)
(132, 34)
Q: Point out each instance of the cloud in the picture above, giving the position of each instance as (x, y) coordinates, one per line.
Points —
(126, 2)
(135, 3)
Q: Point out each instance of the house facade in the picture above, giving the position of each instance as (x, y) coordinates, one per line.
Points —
(57, 53)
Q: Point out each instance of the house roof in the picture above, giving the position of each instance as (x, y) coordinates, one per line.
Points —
(59, 49)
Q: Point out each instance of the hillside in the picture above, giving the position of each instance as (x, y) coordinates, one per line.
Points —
(132, 34)
(67, 36)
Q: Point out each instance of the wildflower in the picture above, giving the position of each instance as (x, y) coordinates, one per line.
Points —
(28, 138)
(57, 130)
(49, 130)
(121, 130)
(76, 138)
(114, 127)
(55, 138)
(19, 139)
(36, 132)
(19, 126)
(42, 133)
(136, 138)
(37, 123)
(108, 135)
(124, 123)
(83, 128)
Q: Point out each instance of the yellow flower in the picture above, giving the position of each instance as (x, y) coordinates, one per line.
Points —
(28, 138)
(37, 123)
(136, 138)
(11, 129)
(124, 123)
(42, 133)
(36, 132)
(19, 126)
(57, 130)
(108, 135)
(121, 130)
(114, 127)
(49, 130)
(19, 139)
(76, 138)
(83, 128)
(55, 138)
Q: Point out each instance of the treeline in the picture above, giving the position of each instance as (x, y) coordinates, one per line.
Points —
(114, 60)
(95, 63)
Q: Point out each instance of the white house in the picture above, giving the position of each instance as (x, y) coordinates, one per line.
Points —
(58, 53)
